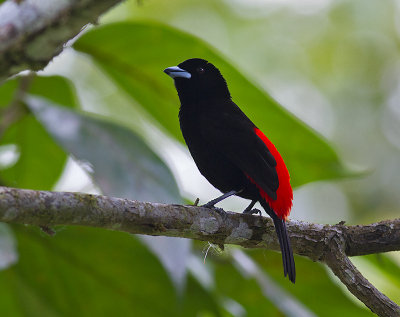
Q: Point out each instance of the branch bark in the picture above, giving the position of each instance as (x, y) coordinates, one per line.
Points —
(326, 243)
(342, 267)
(32, 32)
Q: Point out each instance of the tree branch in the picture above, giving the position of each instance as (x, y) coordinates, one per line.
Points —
(327, 243)
(32, 32)
(342, 267)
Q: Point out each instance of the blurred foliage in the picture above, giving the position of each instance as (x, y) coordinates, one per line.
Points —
(33, 143)
(314, 276)
(86, 272)
(121, 163)
(333, 64)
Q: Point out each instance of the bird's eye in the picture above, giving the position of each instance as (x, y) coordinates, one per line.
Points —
(200, 70)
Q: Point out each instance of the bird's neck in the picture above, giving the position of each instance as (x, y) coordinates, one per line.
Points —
(193, 95)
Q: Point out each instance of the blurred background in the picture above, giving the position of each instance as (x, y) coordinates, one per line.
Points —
(320, 78)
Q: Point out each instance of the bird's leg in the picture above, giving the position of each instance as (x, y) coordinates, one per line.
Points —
(249, 210)
(211, 203)
(249, 207)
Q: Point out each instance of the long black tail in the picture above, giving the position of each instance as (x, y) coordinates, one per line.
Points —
(289, 267)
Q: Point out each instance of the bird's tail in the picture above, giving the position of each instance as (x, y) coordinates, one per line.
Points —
(289, 267)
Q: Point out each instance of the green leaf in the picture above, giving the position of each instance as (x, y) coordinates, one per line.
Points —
(55, 88)
(245, 291)
(91, 272)
(134, 54)
(41, 160)
(123, 164)
(7, 91)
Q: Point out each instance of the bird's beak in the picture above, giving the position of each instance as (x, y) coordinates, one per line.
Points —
(176, 72)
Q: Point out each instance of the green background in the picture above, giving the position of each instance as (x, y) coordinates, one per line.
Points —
(320, 78)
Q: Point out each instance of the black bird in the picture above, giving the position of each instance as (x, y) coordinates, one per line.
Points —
(229, 150)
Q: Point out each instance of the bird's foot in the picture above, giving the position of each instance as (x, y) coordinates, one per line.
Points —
(219, 210)
(210, 205)
(252, 211)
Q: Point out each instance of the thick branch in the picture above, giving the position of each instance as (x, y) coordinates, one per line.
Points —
(32, 32)
(382, 237)
(44, 208)
(329, 243)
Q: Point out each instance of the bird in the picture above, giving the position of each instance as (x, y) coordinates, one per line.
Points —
(230, 151)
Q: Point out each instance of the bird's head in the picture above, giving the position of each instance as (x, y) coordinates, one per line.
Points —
(197, 79)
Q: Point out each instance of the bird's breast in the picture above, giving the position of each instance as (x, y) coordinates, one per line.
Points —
(211, 161)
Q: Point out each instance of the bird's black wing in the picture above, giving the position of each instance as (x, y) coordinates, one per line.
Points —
(229, 131)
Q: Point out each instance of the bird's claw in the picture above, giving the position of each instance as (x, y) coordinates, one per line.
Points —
(209, 205)
(252, 211)
(212, 206)
(219, 210)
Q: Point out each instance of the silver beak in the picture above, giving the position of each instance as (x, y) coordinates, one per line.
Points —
(176, 72)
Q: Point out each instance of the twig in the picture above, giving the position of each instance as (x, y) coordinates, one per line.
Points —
(329, 243)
